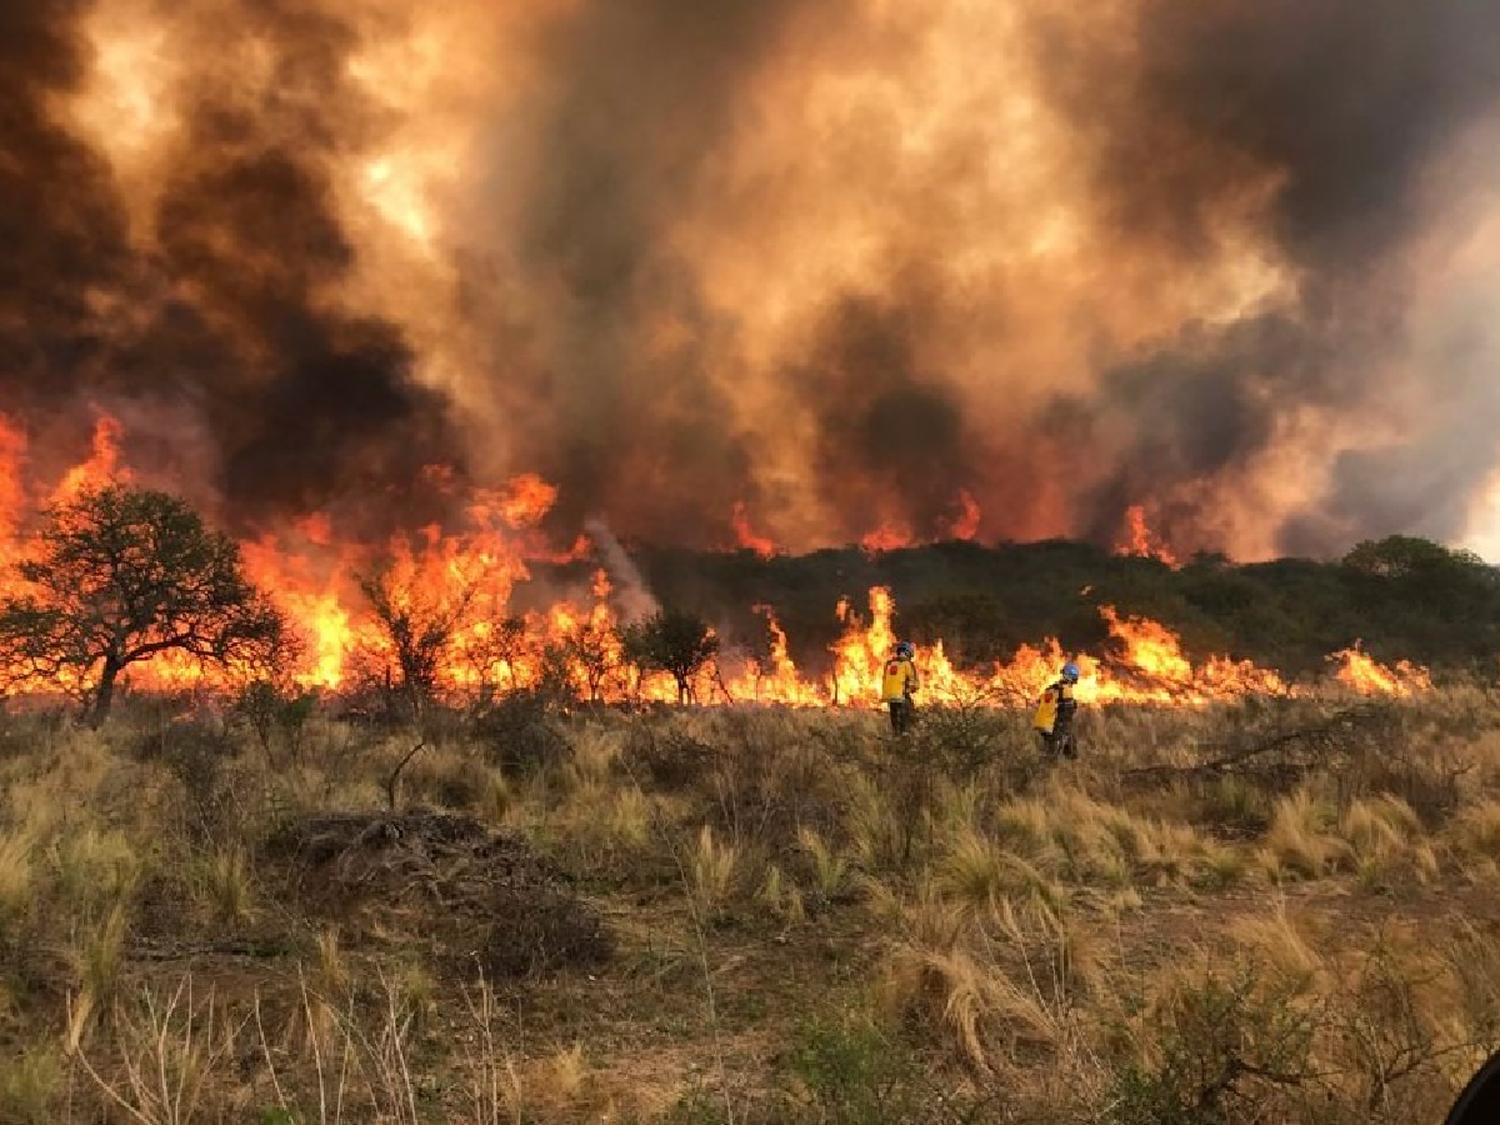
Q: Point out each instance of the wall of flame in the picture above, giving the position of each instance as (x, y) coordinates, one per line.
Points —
(468, 579)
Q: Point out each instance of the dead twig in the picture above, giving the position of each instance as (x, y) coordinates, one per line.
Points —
(395, 777)
(1321, 734)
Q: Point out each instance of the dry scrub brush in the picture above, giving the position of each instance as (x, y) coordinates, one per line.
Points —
(1100, 940)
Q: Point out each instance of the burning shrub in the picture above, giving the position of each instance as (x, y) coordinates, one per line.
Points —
(416, 632)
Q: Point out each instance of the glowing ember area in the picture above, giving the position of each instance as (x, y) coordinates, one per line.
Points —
(1141, 541)
(466, 579)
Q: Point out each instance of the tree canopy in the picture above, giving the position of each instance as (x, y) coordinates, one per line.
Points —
(672, 641)
(121, 575)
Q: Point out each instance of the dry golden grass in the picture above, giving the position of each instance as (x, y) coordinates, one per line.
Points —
(978, 874)
(712, 866)
(830, 867)
(874, 824)
(995, 983)
(332, 976)
(30, 1083)
(226, 885)
(1275, 939)
(781, 897)
(1303, 840)
(171, 1048)
(1388, 842)
(1063, 942)
(1475, 835)
(17, 876)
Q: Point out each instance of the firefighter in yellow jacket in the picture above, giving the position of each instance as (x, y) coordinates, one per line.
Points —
(1053, 720)
(899, 684)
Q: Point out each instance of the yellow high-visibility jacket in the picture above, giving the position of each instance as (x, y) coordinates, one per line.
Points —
(899, 681)
(1056, 700)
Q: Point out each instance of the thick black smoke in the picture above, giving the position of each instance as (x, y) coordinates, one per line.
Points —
(228, 302)
(1337, 113)
(61, 226)
(639, 101)
(1330, 133)
(892, 443)
(1347, 109)
(1197, 411)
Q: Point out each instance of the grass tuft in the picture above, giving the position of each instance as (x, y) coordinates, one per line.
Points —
(711, 869)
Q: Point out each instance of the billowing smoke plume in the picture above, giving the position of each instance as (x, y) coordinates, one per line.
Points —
(843, 264)
(635, 598)
(221, 291)
(1363, 123)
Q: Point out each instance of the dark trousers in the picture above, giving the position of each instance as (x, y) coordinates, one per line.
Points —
(1059, 743)
(901, 713)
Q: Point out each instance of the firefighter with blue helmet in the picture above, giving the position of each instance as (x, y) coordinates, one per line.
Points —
(1053, 720)
(898, 684)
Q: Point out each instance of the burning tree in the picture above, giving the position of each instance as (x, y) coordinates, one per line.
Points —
(591, 648)
(119, 576)
(672, 641)
(502, 646)
(418, 632)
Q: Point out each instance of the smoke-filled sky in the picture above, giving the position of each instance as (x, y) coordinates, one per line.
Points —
(842, 262)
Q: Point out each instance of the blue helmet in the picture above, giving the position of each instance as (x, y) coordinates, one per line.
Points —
(1070, 672)
(905, 649)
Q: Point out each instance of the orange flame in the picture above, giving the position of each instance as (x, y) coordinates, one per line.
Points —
(526, 500)
(1141, 541)
(12, 487)
(467, 578)
(966, 526)
(892, 535)
(745, 536)
(102, 466)
(886, 537)
(1358, 671)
